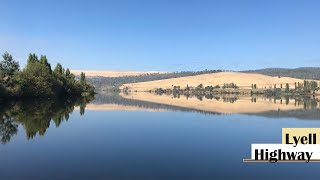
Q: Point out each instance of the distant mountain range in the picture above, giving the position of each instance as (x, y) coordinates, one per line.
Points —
(300, 73)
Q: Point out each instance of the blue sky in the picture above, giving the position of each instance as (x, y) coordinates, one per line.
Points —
(165, 35)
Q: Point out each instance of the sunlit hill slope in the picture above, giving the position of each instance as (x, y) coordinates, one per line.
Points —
(243, 80)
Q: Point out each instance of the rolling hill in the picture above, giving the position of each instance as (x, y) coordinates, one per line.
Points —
(243, 80)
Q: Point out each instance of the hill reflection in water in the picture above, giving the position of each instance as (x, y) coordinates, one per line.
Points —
(275, 107)
(35, 117)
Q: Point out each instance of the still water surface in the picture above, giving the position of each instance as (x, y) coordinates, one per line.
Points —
(124, 138)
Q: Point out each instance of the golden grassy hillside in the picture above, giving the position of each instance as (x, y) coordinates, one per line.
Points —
(243, 80)
(112, 73)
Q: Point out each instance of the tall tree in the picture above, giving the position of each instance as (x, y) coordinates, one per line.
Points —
(8, 68)
(83, 77)
(58, 69)
(287, 88)
(36, 78)
(44, 60)
(32, 58)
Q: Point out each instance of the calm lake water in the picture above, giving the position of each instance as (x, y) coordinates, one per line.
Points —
(125, 138)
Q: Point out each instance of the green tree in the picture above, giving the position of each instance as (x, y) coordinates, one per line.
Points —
(209, 88)
(287, 88)
(32, 58)
(36, 79)
(44, 61)
(83, 77)
(68, 74)
(8, 68)
(187, 88)
(58, 70)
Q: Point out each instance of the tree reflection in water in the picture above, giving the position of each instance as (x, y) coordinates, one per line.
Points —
(35, 116)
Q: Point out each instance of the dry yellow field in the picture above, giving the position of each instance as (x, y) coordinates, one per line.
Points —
(103, 73)
(243, 80)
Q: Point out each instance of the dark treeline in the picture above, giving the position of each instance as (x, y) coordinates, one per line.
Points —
(198, 91)
(300, 73)
(35, 116)
(103, 83)
(305, 88)
(37, 79)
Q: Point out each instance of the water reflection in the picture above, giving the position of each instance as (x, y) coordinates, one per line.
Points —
(8, 128)
(35, 116)
(307, 107)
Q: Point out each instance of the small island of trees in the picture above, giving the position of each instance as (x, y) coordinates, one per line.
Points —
(38, 80)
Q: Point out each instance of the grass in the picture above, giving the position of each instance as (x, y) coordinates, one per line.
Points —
(243, 80)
